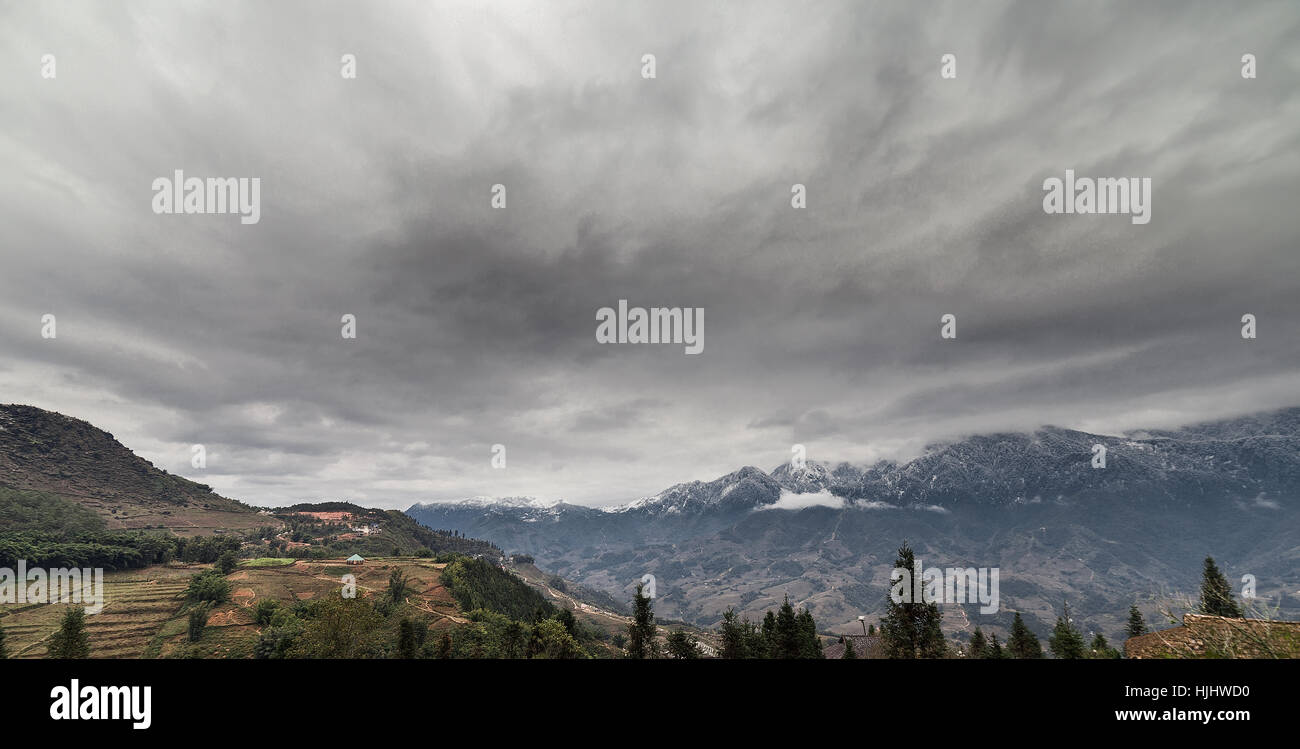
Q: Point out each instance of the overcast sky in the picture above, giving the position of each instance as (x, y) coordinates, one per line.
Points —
(477, 326)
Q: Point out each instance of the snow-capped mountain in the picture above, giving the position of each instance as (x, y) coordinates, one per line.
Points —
(1039, 505)
(812, 477)
(1220, 460)
(740, 490)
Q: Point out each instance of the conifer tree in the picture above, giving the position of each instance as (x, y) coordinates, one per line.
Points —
(849, 652)
(569, 621)
(1101, 649)
(734, 642)
(1216, 595)
(810, 645)
(70, 640)
(1137, 626)
(994, 650)
(682, 645)
(398, 586)
(1023, 643)
(769, 635)
(788, 633)
(406, 638)
(641, 632)
(1065, 642)
(910, 627)
(978, 645)
(756, 645)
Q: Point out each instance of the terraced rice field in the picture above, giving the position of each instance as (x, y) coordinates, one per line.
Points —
(136, 605)
(143, 615)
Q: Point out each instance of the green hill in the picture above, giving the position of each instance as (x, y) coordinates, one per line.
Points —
(328, 529)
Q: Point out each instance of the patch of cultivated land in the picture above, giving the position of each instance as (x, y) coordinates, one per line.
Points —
(267, 562)
(136, 604)
(143, 614)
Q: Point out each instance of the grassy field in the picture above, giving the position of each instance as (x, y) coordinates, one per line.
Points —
(143, 616)
(268, 562)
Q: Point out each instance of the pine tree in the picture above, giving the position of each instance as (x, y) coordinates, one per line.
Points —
(756, 645)
(871, 630)
(977, 645)
(734, 642)
(810, 645)
(569, 621)
(787, 632)
(910, 629)
(769, 635)
(70, 640)
(406, 638)
(1137, 626)
(682, 645)
(995, 651)
(1023, 643)
(641, 632)
(1216, 595)
(1101, 649)
(849, 652)
(1065, 642)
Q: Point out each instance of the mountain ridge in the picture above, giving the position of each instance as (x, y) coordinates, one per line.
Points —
(1030, 503)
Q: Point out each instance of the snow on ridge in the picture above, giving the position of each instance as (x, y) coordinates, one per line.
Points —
(633, 505)
(518, 502)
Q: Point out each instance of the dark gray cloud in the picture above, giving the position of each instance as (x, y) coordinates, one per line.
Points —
(476, 326)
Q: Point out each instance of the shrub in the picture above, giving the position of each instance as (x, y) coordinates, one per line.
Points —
(265, 610)
(227, 562)
(208, 586)
(198, 621)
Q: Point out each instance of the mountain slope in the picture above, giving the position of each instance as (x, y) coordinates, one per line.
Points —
(44, 451)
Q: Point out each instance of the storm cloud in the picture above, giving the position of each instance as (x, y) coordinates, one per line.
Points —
(476, 326)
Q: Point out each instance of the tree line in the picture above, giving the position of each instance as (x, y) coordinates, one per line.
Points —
(912, 629)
